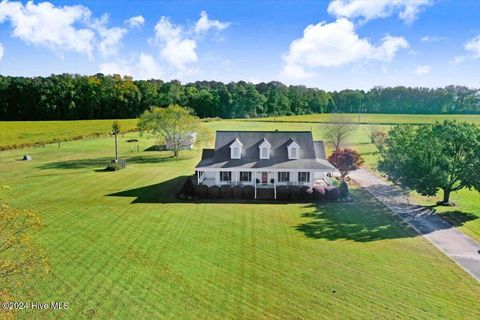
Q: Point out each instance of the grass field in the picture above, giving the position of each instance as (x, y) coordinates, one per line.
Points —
(121, 246)
(372, 118)
(16, 134)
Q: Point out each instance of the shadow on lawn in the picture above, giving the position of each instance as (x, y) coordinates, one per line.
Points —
(166, 192)
(98, 164)
(367, 220)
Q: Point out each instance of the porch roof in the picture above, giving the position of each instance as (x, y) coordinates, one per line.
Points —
(314, 164)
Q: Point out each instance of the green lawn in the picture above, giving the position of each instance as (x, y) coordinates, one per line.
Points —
(121, 246)
(466, 213)
(15, 134)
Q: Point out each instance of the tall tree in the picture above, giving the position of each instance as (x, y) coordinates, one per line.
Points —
(338, 130)
(444, 156)
(172, 124)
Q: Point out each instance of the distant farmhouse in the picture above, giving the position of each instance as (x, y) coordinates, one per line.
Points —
(264, 159)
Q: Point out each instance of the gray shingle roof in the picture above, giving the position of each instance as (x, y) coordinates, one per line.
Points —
(311, 155)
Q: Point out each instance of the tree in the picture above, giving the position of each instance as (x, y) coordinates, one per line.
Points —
(345, 160)
(338, 130)
(18, 255)
(428, 158)
(172, 124)
(378, 136)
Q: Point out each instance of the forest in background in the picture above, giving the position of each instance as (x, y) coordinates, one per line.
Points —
(75, 97)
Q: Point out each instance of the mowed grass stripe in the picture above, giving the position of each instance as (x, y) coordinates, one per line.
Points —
(216, 260)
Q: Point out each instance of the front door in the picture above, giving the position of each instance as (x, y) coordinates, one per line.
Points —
(264, 177)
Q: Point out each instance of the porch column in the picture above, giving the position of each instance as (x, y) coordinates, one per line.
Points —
(198, 177)
(275, 186)
(255, 179)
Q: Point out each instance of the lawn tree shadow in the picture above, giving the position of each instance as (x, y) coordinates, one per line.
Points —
(365, 221)
(163, 192)
(98, 164)
(167, 192)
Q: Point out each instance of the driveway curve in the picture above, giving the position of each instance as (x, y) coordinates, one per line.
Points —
(459, 247)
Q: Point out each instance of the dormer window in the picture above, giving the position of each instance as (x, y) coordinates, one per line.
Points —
(293, 153)
(236, 149)
(264, 153)
(236, 153)
(293, 150)
(265, 148)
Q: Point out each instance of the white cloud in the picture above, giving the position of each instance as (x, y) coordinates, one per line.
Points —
(335, 44)
(457, 59)
(46, 25)
(408, 10)
(432, 39)
(67, 28)
(175, 48)
(146, 67)
(110, 38)
(473, 46)
(136, 21)
(116, 67)
(1, 52)
(178, 43)
(423, 69)
(204, 24)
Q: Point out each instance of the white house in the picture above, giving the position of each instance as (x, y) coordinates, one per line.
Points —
(264, 159)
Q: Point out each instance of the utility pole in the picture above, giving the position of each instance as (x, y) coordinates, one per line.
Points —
(115, 131)
(116, 146)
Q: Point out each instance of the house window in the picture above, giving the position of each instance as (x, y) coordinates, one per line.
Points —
(245, 176)
(283, 176)
(264, 153)
(235, 153)
(225, 176)
(293, 153)
(304, 177)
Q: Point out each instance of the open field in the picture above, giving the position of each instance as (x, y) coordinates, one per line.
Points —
(121, 246)
(25, 133)
(16, 134)
(372, 118)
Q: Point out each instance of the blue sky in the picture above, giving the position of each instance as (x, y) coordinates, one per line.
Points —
(331, 45)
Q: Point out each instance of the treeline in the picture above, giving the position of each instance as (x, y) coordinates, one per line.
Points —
(68, 97)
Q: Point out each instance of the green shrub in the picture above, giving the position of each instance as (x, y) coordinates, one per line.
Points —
(202, 191)
(225, 191)
(213, 192)
(248, 192)
(237, 192)
(319, 192)
(295, 192)
(344, 192)
(188, 189)
(283, 193)
(306, 193)
(333, 193)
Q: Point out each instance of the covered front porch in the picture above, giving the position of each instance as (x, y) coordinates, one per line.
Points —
(263, 179)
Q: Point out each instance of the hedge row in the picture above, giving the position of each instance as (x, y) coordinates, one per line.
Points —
(283, 192)
(225, 192)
